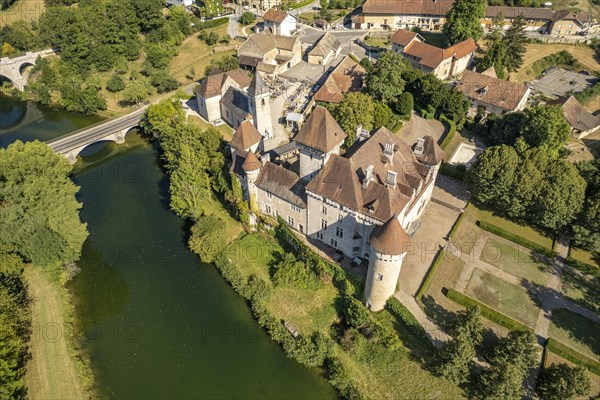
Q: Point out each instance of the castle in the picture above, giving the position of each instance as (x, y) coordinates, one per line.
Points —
(361, 203)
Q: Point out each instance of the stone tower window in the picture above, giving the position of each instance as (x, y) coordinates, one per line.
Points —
(379, 277)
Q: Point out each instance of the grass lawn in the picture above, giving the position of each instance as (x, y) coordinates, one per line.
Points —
(375, 41)
(380, 373)
(22, 10)
(254, 254)
(437, 39)
(515, 262)
(585, 257)
(233, 227)
(507, 298)
(52, 371)
(552, 358)
(309, 16)
(225, 130)
(583, 289)
(535, 51)
(576, 331)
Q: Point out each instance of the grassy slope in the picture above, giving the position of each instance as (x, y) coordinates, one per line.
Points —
(52, 372)
(576, 331)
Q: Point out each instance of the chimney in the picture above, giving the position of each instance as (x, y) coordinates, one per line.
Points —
(390, 179)
(419, 147)
(368, 176)
(388, 152)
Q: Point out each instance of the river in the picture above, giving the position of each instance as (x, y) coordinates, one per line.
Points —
(156, 322)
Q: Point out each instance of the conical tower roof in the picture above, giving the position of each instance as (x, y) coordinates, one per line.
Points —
(258, 86)
(251, 163)
(390, 238)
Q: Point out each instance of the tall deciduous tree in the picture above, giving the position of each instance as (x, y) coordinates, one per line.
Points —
(355, 109)
(587, 227)
(546, 127)
(39, 214)
(384, 80)
(464, 20)
(208, 238)
(492, 175)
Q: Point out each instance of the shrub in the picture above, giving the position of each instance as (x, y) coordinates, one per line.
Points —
(210, 38)
(208, 238)
(430, 273)
(486, 311)
(247, 18)
(486, 226)
(456, 225)
(572, 355)
(294, 273)
(404, 105)
(457, 172)
(339, 377)
(115, 84)
(163, 82)
(310, 351)
(355, 313)
(212, 23)
(401, 313)
(451, 132)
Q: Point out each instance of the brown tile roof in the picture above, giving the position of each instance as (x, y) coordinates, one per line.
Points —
(580, 17)
(347, 77)
(408, 7)
(527, 12)
(577, 116)
(259, 44)
(213, 83)
(326, 43)
(390, 238)
(283, 183)
(251, 163)
(245, 136)
(341, 180)
(403, 37)
(431, 56)
(498, 92)
(432, 152)
(320, 131)
(274, 15)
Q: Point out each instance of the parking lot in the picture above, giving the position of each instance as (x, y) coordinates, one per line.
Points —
(557, 82)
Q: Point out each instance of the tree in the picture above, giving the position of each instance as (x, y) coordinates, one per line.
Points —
(491, 177)
(208, 238)
(149, 13)
(506, 129)
(162, 118)
(382, 114)
(515, 44)
(247, 18)
(115, 84)
(136, 91)
(454, 360)
(163, 82)
(384, 80)
(545, 126)
(355, 109)
(464, 20)
(356, 314)
(495, 55)
(405, 104)
(39, 213)
(293, 273)
(561, 382)
(586, 230)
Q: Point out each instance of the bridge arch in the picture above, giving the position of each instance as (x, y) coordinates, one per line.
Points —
(116, 137)
(6, 77)
(24, 65)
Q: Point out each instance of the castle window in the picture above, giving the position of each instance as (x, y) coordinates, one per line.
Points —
(324, 210)
(262, 102)
(269, 195)
(340, 217)
(339, 232)
(379, 277)
(323, 224)
(268, 209)
(295, 208)
(291, 221)
(277, 213)
(333, 242)
(301, 228)
(319, 236)
(356, 249)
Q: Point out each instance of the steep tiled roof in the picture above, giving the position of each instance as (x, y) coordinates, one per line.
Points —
(432, 153)
(577, 116)
(513, 12)
(498, 92)
(411, 7)
(263, 42)
(251, 163)
(403, 37)
(343, 178)
(346, 77)
(320, 131)
(283, 183)
(326, 43)
(562, 15)
(274, 15)
(257, 86)
(390, 238)
(245, 136)
(213, 83)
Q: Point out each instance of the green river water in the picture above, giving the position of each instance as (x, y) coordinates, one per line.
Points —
(155, 321)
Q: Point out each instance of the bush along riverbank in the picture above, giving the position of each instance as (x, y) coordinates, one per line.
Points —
(309, 305)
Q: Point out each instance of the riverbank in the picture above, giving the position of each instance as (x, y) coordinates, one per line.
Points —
(56, 369)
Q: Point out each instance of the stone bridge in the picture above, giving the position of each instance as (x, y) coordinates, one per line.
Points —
(113, 130)
(12, 68)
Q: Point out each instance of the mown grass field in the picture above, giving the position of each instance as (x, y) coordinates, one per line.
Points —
(536, 51)
(53, 371)
(225, 129)
(22, 10)
(576, 331)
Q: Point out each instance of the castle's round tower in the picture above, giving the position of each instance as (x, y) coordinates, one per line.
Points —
(388, 247)
(251, 167)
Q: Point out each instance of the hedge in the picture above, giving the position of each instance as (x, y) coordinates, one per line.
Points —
(212, 23)
(430, 274)
(456, 225)
(486, 226)
(398, 310)
(450, 134)
(486, 311)
(573, 355)
(453, 171)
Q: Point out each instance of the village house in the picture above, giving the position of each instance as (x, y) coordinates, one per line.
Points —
(266, 4)
(347, 76)
(536, 19)
(360, 204)
(280, 22)
(325, 49)
(443, 63)
(488, 94)
(582, 121)
(234, 97)
(428, 15)
(269, 53)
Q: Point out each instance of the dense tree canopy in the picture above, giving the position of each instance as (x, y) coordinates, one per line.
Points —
(561, 382)
(515, 41)
(546, 127)
(208, 238)
(355, 109)
(38, 210)
(464, 20)
(587, 227)
(384, 80)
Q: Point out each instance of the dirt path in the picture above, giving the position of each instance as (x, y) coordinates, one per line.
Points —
(52, 372)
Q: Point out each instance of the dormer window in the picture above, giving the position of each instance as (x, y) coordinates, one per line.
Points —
(390, 179)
